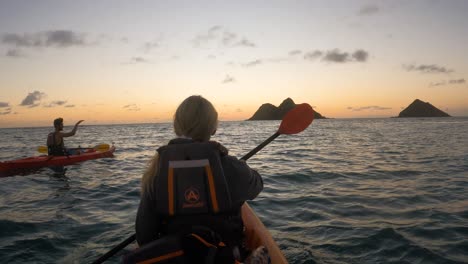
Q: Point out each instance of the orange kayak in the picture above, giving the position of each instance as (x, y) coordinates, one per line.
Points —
(12, 166)
(258, 235)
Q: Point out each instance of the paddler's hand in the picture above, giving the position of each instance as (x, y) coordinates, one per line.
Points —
(79, 122)
(222, 149)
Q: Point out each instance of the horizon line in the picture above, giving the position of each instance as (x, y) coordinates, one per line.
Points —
(245, 120)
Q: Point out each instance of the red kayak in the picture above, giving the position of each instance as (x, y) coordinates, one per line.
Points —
(8, 167)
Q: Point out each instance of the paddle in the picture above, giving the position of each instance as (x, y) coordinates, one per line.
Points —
(100, 147)
(295, 121)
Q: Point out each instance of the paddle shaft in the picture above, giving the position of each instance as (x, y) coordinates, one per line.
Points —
(133, 237)
(259, 147)
(115, 249)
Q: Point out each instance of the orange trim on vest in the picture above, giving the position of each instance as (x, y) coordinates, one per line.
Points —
(214, 200)
(170, 190)
(203, 240)
(163, 257)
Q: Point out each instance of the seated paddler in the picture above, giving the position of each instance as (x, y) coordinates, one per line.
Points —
(192, 192)
(55, 143)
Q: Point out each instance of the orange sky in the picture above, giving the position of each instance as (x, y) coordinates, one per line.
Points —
(346, 58)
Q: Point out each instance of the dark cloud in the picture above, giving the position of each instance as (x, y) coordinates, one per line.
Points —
(360, 55)
(371, 107)
(217, 35)
(228, 79)
(14, 53)
(368, 10)
(4, 104)
(131, 107)
(295, 52)
(442, 83)
(245, 43)
(427, 68)
(459, 81)
(55, 103)
(312, 55)
(336, 56)
(33, 99)
(252, 63)
(54, 38)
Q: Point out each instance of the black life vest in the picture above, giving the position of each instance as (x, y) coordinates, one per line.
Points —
(200, 224)
(53, 148)
(191, 181)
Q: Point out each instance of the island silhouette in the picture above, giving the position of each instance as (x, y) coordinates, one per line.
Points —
(419, 108)
(270, 112)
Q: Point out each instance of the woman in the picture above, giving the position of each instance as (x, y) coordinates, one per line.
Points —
(233, 182)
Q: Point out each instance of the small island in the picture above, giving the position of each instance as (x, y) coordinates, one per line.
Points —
(270, 112)
(419, 108)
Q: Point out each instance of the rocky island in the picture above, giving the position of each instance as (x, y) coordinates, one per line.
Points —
(270, 112)
(419, 108)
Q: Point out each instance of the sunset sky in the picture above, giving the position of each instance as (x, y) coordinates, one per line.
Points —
(135, 61)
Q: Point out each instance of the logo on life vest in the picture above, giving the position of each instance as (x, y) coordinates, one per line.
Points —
(192, 198)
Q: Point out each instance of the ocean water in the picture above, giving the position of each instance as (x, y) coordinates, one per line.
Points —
(343, 191)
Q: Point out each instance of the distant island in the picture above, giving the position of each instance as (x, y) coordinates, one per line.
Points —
(270, 112)
(419, 108)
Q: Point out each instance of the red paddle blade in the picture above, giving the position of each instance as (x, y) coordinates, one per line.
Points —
(297, 119)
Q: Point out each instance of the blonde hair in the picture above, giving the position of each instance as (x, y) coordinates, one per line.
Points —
(195, 118)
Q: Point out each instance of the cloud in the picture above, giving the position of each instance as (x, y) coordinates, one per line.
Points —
(33, 99)
(459, 81)
(228, 79)
(427, 68)
(6, 111)
(245, 43)
(217, 35)
(368, 10)
(342, 57)
(252, 63)
(53, 38)
(209, 36)
(360, 55)
(442, 83)
(371, 107)
(4, 104)
(295, 52)
(131, 107)
(70, 106)
(135, 60)
(148, 46)
(228, 38)
(336, 56)
(312, 55)
(55, 103)
(14, 53)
